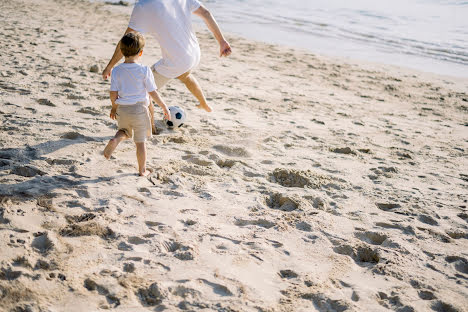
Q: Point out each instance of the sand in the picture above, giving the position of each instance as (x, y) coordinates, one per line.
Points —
(317, 184)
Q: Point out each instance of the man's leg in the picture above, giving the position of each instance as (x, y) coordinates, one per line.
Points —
(160, 81)
(119, 137)
(141, 157)
(194, 87)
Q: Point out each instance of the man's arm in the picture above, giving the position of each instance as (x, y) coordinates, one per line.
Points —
(115, 58)
(205, 15)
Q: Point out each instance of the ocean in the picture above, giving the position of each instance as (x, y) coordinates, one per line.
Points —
(428, 35)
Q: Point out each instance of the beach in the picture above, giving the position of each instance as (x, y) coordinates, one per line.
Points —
(318, 183)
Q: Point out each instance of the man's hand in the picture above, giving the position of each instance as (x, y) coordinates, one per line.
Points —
(113, 113)
(224, 48)
(106, 73)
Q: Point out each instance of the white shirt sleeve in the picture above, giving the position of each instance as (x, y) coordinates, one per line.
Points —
(137, 19)
(149, 80)
(114, 84)
(193, 5)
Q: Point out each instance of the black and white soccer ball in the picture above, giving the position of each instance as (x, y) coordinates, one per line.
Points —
(178, 117)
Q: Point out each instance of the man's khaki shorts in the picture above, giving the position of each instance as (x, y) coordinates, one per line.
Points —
(159, 79)
(135, 121)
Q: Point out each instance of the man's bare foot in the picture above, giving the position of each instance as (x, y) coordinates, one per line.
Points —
(205, 107)
(145, 173)
(110, 148)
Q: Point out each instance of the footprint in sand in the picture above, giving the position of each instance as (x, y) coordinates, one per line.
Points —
(257, 222)
(298, 178)
(386, 172)
(324, 303)
(360, 254)
(152, 295)
(217, 288)
(189, 222)
(441, 306)
(460, 264)
(426, 295)
(135, 240)
(226, 163)
(111, 299)
(180, 251)
(123, 246)
(90, 111)
(282, 202)
(455, 234)
(388, 206)
(427, 220)
(46, 102)
(76, 136)
(393, 302)
(9, 274)
(233, 151)
(43, 243)
(287, 274)
(374, 238)
(129, 267)
(343, 150)
(27, 171)
(463, 216)
(89, 228)
(80, 218)
(45, 265)
(304, 226)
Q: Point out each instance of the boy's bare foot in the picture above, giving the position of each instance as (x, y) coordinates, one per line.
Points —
(145, 174)
(110, 148)
(205, 107)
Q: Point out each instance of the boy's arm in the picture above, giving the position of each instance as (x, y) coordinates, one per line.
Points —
(155, 96)
(205, 15)
(116, 57)
(113, 98)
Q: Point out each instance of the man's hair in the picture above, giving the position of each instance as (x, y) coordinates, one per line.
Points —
(131, 44)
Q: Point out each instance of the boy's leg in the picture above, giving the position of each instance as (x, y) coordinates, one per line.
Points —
(141, 157)
(194, 87)
(119, 137)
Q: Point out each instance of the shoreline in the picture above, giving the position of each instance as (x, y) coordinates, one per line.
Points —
(317, 184)
(322, 45)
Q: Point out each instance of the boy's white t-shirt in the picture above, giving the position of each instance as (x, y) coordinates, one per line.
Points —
(133, 81)
(170, 23)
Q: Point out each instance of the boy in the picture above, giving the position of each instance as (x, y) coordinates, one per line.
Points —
(131, 83)
(169, 22)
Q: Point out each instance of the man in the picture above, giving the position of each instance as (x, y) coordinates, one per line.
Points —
(169, 21)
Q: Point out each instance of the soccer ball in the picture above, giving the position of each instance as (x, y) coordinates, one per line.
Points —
(177, 117)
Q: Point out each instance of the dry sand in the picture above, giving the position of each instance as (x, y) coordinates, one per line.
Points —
(318, 184)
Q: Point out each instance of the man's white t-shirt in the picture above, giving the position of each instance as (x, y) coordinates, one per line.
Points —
(133, 81)
(170, 23)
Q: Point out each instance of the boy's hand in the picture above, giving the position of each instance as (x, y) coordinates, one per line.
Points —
(167, 114)
(224, 48)
(113, 113)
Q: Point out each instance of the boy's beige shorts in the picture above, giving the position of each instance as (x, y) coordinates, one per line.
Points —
(135, 121)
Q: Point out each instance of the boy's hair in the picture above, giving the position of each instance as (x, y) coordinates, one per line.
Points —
(131, 44)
